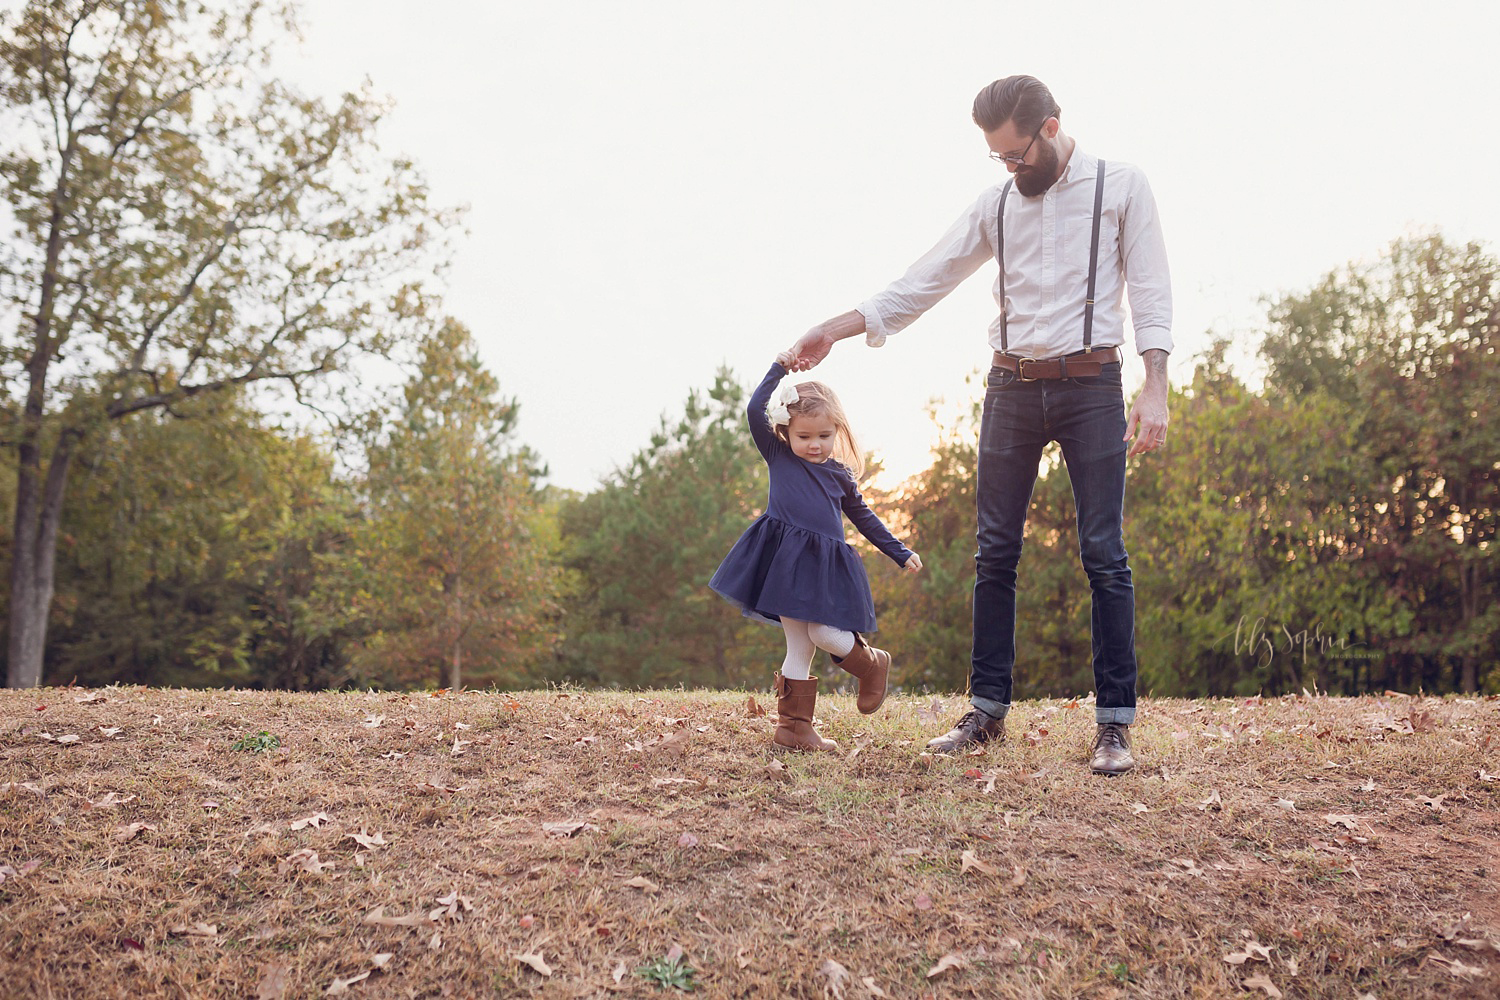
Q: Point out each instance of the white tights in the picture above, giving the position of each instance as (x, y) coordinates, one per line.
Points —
(802, 637)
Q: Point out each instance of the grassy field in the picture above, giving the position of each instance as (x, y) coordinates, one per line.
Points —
(577, 844)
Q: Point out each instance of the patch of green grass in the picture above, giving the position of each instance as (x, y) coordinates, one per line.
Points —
(668, 971)
(261, 742)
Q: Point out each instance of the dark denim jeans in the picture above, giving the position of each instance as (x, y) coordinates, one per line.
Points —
(1086, 416)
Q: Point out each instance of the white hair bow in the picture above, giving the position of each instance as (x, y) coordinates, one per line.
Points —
(785, 395)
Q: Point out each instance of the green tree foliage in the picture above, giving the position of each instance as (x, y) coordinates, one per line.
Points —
(187, 554)
(452, 576)
(1409, 343)
(644, 546)
(178, 223)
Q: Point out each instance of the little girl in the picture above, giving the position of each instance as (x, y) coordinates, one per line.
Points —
(793, 568)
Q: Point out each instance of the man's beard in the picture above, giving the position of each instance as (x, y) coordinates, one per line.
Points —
(1033, 180)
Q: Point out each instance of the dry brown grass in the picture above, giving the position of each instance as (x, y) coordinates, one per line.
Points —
(1084, 886)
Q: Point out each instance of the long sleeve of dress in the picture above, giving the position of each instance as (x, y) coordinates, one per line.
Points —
(755, 412)
(871, 526)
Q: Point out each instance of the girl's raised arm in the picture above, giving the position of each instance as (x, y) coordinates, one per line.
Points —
(755, 411)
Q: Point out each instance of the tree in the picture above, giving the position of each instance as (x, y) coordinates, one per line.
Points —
(180, 224)
(455, 564)
(644, 546)
(188, 552)
(1412, 339)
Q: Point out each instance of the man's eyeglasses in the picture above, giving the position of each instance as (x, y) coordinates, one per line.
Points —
(1019, 160)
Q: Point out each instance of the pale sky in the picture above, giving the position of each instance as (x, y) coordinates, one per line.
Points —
(660, 187)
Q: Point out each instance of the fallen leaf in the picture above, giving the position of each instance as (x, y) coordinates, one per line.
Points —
(431, 788)
(11, 786)
(1017, 877)
(933, 713)
(675, 744)
(1287, 804)
(837, 976)
(381, 960)
(1435, 803)
(378, 918)
(316, 821)
(109, 731)
(341, 986)
(366, 840)
(393, 755)
(687, 840)
(1261, 982)
(1348, 821)
(125, 834)
(620, 971)
(109, 801)
(777, 771)
(644, 884)
(1188, 865)
(952, 960)
(875, 991)
(373, 721)
(1138, 807)
(534, 960)
(923, 901)
(273, 981)
(1368, 786)
(210, 804)
(90, 699)
(570, 829)
(199, 930)
(971, 860)
(70, 738)
(1454, 966)
(435, 943)
(1212, 802)
(305, 860)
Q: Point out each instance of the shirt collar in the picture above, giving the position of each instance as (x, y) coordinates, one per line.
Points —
(1080, 165)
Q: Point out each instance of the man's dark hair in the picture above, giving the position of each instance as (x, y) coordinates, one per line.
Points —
(1022, 99)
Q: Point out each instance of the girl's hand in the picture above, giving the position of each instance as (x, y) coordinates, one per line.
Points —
(786, 359)
(913, 564)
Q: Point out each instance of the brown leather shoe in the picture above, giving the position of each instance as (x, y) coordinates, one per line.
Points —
(872, 667)
(1112, 749)
(975, 728)
(795, 701)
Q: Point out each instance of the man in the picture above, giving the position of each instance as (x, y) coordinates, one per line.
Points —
(1070, 235)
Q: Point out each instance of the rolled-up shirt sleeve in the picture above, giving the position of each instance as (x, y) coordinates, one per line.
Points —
(960, 252)
(1148, 280)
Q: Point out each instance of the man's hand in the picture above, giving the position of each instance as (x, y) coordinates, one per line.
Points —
(811, 349)
(912, 564)
(817, 342)
(1147, 419)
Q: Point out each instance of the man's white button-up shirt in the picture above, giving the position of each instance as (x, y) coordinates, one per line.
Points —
(1047, 242)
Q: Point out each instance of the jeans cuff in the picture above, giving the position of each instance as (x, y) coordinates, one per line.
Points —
(1116, 716)
(994, 709)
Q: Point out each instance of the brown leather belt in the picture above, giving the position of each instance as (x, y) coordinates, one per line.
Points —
(1079, 365)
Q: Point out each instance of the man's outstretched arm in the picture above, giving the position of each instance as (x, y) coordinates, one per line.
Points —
(817, 342)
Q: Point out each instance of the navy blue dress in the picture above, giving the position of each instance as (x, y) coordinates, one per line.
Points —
(793, 560)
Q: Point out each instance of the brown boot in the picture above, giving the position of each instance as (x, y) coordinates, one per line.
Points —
(873, 669)
(795, 701)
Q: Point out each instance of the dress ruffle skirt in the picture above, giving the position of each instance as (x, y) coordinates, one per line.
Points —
(779, 570)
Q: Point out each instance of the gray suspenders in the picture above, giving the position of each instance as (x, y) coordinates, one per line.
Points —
(1088, 305)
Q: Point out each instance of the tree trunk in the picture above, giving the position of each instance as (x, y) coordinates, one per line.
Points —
(34, 558)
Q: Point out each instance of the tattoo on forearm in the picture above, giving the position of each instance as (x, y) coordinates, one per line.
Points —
(1156, 361)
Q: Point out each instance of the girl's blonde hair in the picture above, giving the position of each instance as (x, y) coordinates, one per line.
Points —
(814, 398)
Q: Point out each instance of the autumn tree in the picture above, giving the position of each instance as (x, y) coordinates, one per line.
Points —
(178, 223)
(453, 571)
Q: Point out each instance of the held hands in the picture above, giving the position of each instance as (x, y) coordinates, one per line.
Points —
(913, 564)
(807, 352)
(787, 359)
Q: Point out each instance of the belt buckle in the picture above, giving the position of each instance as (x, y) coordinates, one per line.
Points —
(1021, 369)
